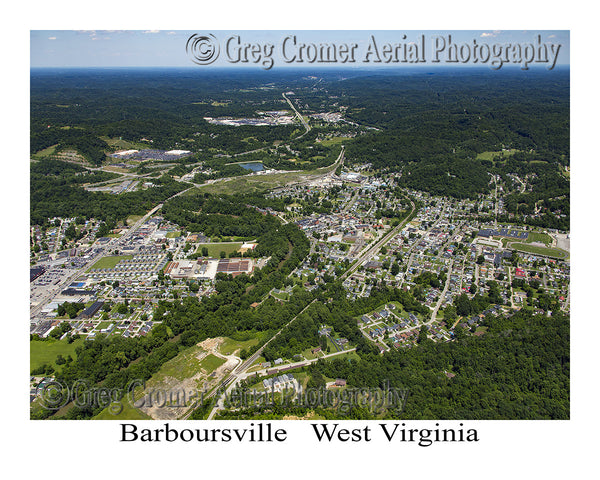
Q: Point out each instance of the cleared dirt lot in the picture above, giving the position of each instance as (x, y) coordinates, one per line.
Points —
(562, 241)
(180, 381)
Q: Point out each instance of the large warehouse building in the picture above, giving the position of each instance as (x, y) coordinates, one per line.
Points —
(206, 269)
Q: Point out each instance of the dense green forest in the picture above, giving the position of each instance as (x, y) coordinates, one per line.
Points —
(55, 191)
(432, 126)
(167, 107)
(518, 370)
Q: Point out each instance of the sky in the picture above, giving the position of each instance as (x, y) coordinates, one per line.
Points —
(167, 48)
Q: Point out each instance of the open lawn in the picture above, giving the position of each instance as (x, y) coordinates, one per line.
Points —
(280, 296)
(309, 355)
(215, 249)
(122, 411)
(346, 356)
(254, 183)
(184, 365)
(333, 141)
(492, 155)
(549, 252)
(173, 234)
(230, 346)
(211, 363)
(539, 237)
(121, 144)
(110, 262)
(44, 153)
(45, 352)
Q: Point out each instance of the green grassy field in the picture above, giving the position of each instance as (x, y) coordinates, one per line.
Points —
(44, 153)
(248, 184)
(173, 234)
(491, 155)
(45, 352)
(184, 365)
(549, 252)
(309, 355)
(110, 262)
(532, 237)
(117, 169)
(215, 249)
(280, 296)
(229, 345)
(123, 144)
(346, 356)
(333, 141)
(127, 413)
(539, 237)
(211, 362)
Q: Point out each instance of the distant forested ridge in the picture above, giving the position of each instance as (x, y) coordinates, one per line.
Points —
(429, 126)
(432, 129)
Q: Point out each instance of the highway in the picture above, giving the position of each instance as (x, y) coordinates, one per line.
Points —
(300, 117)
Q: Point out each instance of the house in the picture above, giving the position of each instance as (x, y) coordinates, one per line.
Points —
(340, 382)
(278, 383)
(316, 350)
